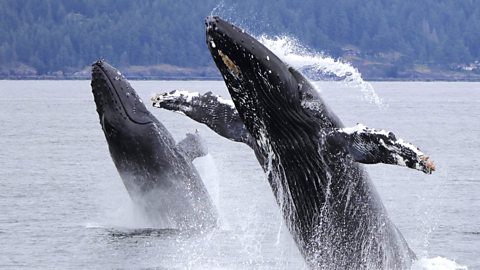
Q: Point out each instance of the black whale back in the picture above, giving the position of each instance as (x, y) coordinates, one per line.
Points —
(329, 204)
(157, 175)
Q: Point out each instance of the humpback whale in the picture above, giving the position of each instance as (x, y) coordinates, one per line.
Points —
(157, 173)
(311, 160)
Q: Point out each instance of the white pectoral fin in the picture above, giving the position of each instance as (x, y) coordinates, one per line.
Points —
(217, 113)
(176, 100)
(372, 146)
(407, 154)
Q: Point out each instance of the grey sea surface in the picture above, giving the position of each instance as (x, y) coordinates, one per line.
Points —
(63, 204)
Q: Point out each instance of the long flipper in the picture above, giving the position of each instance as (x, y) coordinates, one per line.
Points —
(365, 145)
(217, 113)
(370, 146)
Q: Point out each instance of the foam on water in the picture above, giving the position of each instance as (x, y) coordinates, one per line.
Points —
(437, 263)
(127, 216)
(94, 225)
(314, 64)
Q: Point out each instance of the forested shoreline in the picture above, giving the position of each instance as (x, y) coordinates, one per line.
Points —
(395, 39)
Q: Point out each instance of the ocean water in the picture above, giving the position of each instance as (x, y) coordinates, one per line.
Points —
(63, 205)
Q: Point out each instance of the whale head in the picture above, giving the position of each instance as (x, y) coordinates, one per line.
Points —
(133, 134)
(118, 105)
(267, 93)
(123, 115)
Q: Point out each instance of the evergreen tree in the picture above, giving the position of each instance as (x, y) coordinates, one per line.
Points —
(59, 35)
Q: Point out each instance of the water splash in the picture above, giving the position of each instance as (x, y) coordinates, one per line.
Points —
(207, 169)
(128, 215)
(218, 8)
(437, 263)
(317, 65)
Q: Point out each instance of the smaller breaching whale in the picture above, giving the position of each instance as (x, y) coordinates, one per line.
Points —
(311, 160)
(157, 173)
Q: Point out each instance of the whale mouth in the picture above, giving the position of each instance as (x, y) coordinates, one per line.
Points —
(113, 92)
(259, 79)
(265, 91)
(243, 61)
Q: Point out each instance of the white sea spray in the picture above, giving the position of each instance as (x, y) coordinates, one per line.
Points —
(300, 57)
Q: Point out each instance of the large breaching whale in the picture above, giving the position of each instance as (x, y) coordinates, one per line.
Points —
(157, 173)
(311, 160)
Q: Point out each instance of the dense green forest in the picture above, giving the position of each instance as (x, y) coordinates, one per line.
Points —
(52, 37)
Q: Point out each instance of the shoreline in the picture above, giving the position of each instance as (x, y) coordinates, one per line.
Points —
(218, 78)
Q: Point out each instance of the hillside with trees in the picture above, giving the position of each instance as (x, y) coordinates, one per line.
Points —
(394, 39)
